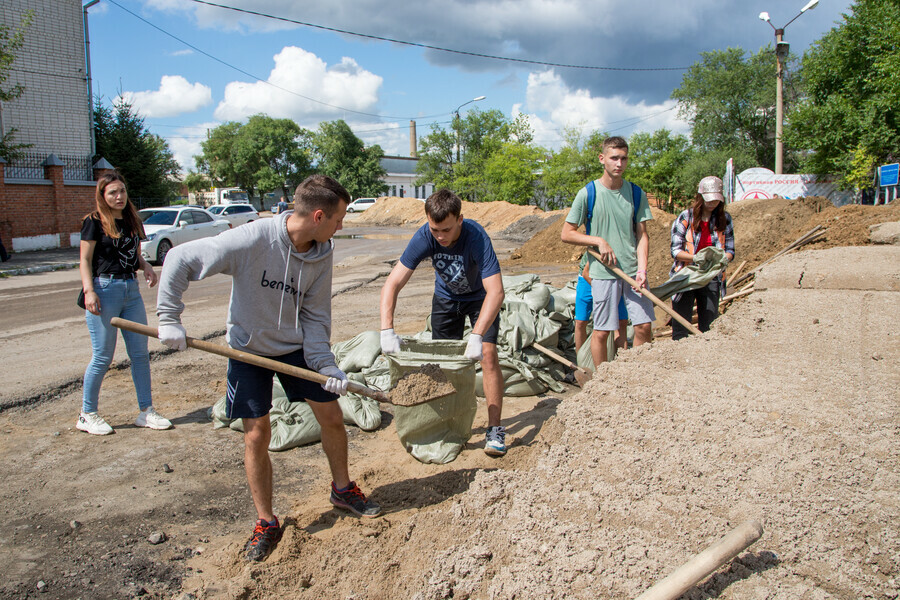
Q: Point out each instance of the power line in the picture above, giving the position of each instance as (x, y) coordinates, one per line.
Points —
(438, 48)
(257, 78)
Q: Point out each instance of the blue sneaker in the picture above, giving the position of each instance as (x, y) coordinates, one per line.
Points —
(495, 441)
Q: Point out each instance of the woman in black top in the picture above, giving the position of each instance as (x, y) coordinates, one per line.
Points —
(110, 257)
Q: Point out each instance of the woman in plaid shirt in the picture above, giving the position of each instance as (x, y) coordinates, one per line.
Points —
(704, 224)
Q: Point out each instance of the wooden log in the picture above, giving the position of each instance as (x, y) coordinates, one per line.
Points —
(731, 297)
(695, 570)
(735, 273)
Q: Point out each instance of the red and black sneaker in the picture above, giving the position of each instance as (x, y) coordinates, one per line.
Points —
(354, 500)
(262, 542)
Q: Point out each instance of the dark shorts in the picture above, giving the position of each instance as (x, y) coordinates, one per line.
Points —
(448, 319)
(249, 393)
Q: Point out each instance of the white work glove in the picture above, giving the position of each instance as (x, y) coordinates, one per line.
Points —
(337, 380)
(173, 336)
(390, 341)
(473, 348)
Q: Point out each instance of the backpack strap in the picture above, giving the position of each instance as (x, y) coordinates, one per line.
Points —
(636, 200)
(591, 197)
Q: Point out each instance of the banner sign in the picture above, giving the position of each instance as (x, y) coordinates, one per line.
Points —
(763, 183)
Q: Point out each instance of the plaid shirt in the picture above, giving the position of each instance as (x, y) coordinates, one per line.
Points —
(679, 237)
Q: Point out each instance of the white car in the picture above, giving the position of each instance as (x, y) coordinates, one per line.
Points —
(168, 226)
(360, 204)
(236, 214)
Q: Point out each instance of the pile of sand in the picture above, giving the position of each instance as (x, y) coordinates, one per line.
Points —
(390, 211)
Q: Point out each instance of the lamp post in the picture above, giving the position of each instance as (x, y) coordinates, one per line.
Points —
(456, 121)
(781, 53)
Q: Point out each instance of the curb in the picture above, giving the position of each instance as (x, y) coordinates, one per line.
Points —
(41, 269)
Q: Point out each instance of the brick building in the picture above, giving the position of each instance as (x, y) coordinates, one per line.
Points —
(45, 193)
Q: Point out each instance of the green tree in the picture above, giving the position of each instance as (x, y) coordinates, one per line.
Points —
(220, 160)
(458, 158)
(710, 162)
(729, 100)
(196, 182)
(573, 165)
(852, 100)
(280, 149)
(654, 163)
(509, 173)
(344, 157)
(10, 43)
(143, 158)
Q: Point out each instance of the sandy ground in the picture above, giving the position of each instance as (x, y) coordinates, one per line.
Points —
(787, 412)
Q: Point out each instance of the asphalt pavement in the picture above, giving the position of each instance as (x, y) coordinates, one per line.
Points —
(39, 261)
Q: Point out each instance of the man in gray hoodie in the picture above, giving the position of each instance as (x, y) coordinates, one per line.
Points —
(280, 308)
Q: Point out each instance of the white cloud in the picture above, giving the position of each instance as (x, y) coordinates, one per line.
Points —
(552, 106)
(185, 52)
(185, 143)
(175, 96)
(298, 73)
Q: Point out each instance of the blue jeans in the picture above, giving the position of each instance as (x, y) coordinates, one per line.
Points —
(118, 298)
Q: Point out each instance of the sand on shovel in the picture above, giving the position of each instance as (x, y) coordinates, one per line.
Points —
(427, 382)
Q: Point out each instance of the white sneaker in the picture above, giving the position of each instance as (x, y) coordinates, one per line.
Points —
(152, 419)
(93, 424)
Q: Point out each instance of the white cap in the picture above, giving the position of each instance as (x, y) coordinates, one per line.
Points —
(711, 189)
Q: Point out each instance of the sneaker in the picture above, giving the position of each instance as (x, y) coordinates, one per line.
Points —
(262, 542)
(152, 419)
(495, 441)
(354, 500)
(93, 424)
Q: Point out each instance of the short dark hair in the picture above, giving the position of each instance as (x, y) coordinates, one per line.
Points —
(319, 192)
(442, 204)
(614, 141)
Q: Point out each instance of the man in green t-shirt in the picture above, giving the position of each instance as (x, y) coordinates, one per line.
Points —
(621, 240)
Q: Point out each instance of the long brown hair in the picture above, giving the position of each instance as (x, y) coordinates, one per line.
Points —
(717, 217)
(103, 213)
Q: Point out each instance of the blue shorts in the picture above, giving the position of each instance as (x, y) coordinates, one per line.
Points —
(448, 319)
(584, 302)
(249, 393)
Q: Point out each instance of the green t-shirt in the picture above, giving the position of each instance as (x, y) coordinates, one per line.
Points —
(612, 220)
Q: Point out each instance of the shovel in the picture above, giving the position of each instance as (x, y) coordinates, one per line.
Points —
(274, 365)
(665, 307)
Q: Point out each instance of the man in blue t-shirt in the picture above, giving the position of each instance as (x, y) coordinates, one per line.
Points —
(467, 283)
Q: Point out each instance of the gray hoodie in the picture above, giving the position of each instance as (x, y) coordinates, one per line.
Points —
(280, 298)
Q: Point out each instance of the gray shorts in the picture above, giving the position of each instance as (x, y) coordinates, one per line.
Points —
(606, 294)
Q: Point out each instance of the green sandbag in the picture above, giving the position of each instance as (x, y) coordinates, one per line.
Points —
(707, 264)
(435, 432)
(586, 359)
(357, 353)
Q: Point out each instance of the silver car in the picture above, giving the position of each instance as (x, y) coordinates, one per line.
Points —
(168, 226)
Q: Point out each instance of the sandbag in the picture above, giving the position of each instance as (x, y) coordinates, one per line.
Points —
(357, 353)
(708, 263)
(435, 432)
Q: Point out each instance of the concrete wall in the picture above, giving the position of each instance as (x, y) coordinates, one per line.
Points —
(53, 113)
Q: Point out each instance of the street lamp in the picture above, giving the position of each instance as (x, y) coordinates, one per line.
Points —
(456, 121)
(781, 53)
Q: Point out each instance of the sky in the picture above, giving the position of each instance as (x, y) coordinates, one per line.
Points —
(582, 65)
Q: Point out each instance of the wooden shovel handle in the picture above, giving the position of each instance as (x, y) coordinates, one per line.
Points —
(259, 361)
(558, 357)
(646, 293)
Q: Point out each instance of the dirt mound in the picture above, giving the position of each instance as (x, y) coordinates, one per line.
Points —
(546, 247)
(410, 212)
(761, 228)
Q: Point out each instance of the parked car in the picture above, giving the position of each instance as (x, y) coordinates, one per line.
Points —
(360, 204)
(236, 214)
(168, 226)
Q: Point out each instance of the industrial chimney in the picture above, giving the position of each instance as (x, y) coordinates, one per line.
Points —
(412, 140)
